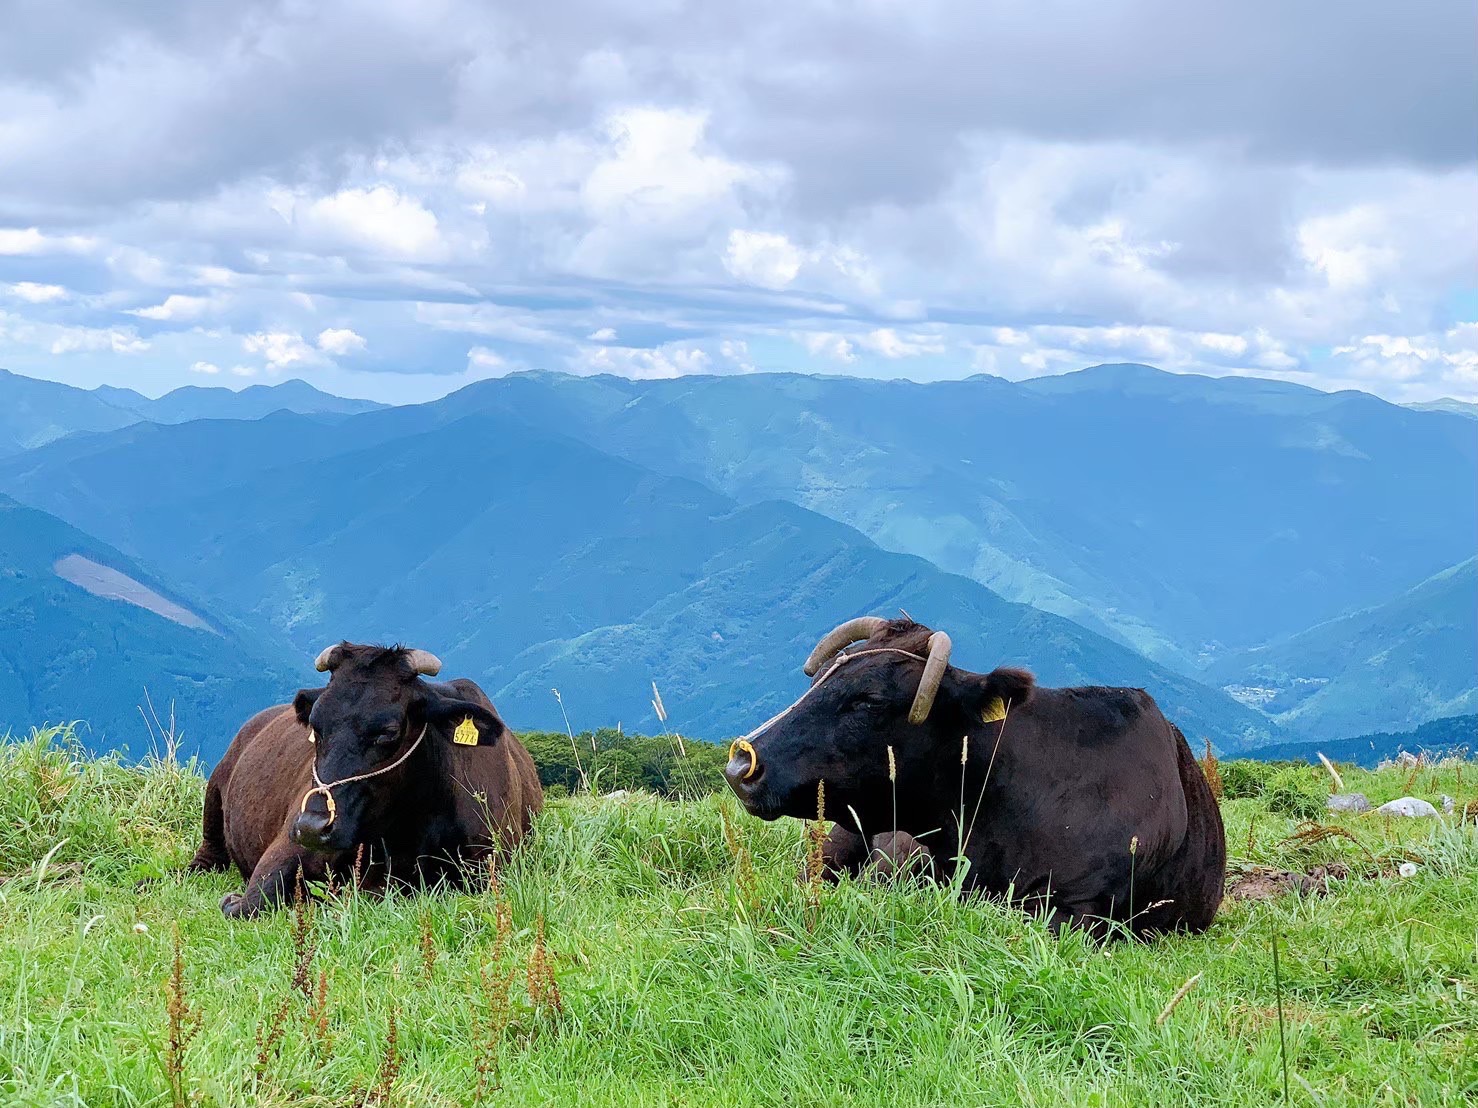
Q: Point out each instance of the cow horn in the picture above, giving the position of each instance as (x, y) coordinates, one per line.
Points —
(327, 659)
(854, 630)
(923, 700)
(423, 662)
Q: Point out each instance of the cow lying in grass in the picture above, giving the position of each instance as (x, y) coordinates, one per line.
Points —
(1084, 804)
(408, 779)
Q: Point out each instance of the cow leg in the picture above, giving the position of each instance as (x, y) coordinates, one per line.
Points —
(899, 854)
(1089, 918)
(274, 881)
(842, 852)
(212, 854)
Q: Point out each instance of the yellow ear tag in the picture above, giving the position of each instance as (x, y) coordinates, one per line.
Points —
(994, 711)
(466, 733)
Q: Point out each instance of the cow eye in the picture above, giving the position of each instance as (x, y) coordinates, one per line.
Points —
(385, 738)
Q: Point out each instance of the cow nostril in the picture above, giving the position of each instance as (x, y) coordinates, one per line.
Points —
(744, 774)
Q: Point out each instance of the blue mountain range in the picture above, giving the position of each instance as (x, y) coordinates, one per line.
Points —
(595, 535)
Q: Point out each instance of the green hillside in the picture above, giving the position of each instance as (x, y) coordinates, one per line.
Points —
(1387, 668)
(69, 654)
(1182, 515)
(533, 562)
(692, 968)
(33, 413)
(1435, 738)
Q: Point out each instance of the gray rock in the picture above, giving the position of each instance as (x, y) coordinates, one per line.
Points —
(1408, 806)
(1348, 802)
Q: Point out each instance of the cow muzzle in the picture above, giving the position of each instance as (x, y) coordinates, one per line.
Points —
(313, 830)
(745, 773)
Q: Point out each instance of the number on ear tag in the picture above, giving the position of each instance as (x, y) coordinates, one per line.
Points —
(466, 733)
(994, 711)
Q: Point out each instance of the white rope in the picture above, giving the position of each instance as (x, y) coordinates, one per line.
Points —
(328, 796)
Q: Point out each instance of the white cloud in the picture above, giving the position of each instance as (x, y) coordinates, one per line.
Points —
(671, 360)
(828, 344)
(208, 368)
(1448, 360)
(485, 360)
(281, 349)
(33, 293)
(115, 340)
(762, 258)
(890, 344)
(379, 219)
(31, 241)
(176, 307)
(544, 181)
(340, 341)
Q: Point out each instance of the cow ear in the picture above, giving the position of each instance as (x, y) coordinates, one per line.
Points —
(303, 703)
(994, 695)
(464, 722)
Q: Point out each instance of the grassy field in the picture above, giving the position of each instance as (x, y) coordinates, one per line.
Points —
(682, 962)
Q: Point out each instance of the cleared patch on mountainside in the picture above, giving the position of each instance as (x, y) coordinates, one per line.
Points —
(110, 584)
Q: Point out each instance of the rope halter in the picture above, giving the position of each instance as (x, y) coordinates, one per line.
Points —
(745, 743)
(326, 789)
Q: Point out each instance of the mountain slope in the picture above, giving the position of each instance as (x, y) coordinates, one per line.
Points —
(1438, 738)
(1182, 515)
(531, 562)
(33, 413)
(1447, 404)
(1385, 668)
(252, 402)
(88, 634)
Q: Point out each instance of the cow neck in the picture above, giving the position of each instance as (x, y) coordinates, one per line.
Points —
(987, 756)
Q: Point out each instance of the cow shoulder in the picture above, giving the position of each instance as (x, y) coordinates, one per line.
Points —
(1102, 716)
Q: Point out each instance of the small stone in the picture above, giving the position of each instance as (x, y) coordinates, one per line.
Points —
(1408, 806)
(1348, 802)
(1407, 869)
(1448, 804)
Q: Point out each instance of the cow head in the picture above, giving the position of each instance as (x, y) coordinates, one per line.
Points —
(378, 722)
(894, 689)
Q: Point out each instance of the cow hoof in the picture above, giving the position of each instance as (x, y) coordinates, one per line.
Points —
(233, 906)
(898, 854)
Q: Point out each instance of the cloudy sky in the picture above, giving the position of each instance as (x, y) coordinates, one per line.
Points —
(390, 198)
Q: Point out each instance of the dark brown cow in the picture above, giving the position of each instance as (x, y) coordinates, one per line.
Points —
(414, 780)
(1085, 803)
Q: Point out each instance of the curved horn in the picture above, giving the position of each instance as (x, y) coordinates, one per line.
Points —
(423, 662)
(854, 630)
(923, 700)
(327, 658)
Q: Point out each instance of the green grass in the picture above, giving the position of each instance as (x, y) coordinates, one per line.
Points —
(676, 991)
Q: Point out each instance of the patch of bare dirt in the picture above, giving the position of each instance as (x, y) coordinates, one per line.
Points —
(1267, 882)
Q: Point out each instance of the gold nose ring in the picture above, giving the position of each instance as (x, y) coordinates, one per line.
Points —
(328, 796)
(744, 745)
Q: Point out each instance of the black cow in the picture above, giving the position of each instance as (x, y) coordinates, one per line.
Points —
(1083, 803)
(405, 779)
